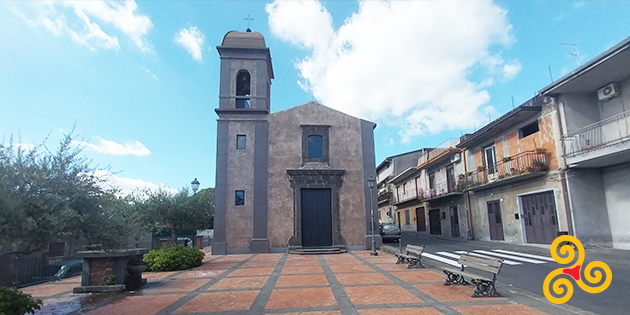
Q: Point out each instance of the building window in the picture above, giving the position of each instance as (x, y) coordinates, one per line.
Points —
(315, 147)
(528, 130)
(432, 181)
(491, 159)
(315, 143)
(239, 198)
(241, 142)
(407, 219)
(242, 89)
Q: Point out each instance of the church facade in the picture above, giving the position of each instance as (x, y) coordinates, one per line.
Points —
(291, 180)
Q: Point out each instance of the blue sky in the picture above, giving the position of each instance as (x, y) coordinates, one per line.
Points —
(140, 79)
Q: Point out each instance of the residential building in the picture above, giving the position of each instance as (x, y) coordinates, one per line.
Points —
(594, 107)
(289, 180)
(385, 171)
(513, 181)
(445, 211)
(427, 197)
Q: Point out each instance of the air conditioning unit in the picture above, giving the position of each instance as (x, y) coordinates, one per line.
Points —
(607, 92)
(456, 157)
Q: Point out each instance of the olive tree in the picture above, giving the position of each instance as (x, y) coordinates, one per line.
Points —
(45, 196)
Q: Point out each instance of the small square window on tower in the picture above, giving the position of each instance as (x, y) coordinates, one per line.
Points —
(239, 198)
(241, 142)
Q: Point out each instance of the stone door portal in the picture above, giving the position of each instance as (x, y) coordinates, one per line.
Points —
(316, 218)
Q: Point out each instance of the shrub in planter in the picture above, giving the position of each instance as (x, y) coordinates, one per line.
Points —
(16, 302)
(173, 258)
(110, 279)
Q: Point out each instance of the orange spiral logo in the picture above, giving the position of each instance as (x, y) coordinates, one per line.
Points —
(563, 286)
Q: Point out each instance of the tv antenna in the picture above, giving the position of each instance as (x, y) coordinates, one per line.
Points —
(576, 54)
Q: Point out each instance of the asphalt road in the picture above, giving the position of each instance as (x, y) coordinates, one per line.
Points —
(530, 276)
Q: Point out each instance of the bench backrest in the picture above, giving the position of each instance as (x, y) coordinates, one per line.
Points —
(414, 249)
(492, 265)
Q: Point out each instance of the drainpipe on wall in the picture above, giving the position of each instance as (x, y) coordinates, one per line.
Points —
(563, 175)
(470, 224)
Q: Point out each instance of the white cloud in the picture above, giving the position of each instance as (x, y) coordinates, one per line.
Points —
(510, 70)
(84, 21)
(407, 63)
(130, 185)
(192, 40)
(578, 4)
(149, 73)
(131, 147)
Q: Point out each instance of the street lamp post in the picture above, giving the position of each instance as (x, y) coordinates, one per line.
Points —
(371, 182)
(194, 185)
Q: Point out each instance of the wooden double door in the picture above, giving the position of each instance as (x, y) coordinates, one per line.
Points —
(316, 217)
(540, 217)
(435, 222)
(495, 220)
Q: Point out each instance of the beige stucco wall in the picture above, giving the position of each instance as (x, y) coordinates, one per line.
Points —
(285, 152)
(239, 226)
(509, 203)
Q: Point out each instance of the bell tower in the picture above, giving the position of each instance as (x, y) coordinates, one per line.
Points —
(246, 74)
(240, 224)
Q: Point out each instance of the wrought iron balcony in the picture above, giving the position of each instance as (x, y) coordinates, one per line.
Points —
(530, 162)
(443, 189)
(409, 194)
(384, 197)
(601, 134)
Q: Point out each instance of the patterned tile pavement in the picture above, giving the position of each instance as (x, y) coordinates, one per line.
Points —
(352, 283)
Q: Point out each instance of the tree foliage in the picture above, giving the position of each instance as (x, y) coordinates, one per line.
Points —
(45, 196)
(162, 209)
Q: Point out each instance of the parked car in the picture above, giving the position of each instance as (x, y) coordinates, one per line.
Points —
(389, 232)
(186, 241)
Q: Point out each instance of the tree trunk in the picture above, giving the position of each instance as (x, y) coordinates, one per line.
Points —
(174, 235)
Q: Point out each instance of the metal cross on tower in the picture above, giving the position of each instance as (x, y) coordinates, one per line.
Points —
(248, 18)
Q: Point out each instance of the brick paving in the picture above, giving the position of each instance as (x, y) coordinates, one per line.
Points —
(351, 283)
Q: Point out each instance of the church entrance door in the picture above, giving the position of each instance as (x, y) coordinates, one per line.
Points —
(316, 217)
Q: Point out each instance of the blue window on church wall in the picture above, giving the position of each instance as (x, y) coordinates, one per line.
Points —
(239, 198)
(315, 147)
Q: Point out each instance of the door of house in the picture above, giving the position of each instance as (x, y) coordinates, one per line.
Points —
(316, 218)
(494, 220)
(540, 218)
(422, 221)
(435, 223)
(454, 222)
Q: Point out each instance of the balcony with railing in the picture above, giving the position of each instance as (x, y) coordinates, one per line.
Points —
(510, 169)
(444, 189)
(404, 167)
(407, 195)
(384, 197)
(600, 144)
(439, 153)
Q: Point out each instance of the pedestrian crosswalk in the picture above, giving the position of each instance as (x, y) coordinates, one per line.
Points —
(512, 258)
